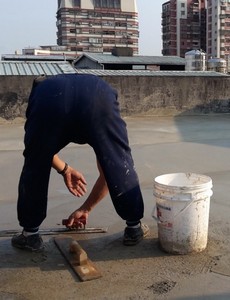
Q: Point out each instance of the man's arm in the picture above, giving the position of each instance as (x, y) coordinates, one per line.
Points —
(99, 191)
(58, 164)
(74, 180)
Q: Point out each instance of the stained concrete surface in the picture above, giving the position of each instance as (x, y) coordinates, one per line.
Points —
(160, 145)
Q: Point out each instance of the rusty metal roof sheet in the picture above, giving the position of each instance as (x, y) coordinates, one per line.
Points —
(35, 68)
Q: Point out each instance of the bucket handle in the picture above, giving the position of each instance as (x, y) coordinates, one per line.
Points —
(181, 211)
(154, 215)
(191, 196)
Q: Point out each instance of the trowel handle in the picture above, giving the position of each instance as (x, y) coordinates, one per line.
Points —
(76, 223)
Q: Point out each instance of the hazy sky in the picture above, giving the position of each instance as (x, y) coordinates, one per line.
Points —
(33, 22)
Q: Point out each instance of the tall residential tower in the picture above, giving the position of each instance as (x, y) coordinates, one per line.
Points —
(183, 26)
(97, 25)
(218, 28)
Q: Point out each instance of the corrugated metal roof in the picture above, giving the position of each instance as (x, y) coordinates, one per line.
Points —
(137, 60)
(16, 57)
(54, 68)
(151, 73)
(34, 68)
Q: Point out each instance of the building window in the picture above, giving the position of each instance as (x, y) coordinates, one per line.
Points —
(76, 3)
(107, 3)
(95, 40)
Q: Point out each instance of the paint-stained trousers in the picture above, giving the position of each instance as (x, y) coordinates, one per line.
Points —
(80, 109)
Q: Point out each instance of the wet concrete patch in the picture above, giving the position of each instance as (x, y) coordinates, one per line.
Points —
(146, 267)
(134, 273)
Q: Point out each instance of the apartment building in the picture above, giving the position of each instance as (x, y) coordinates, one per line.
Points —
(97, 25)
(218, 28)
(183, 26)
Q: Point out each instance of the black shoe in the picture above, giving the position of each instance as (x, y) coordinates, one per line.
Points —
(133, 236)
(31, 243)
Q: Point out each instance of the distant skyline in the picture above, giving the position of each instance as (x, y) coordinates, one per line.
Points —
(31, 23)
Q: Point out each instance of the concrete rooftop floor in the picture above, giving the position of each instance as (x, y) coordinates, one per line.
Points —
(160, 145)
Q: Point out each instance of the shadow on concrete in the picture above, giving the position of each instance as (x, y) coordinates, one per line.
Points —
(102, 248)
(110, 248)
(211, 129)
(15, 258)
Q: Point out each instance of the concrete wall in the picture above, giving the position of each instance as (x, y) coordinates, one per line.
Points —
(172, 95)
(157, 95)
(14, 92)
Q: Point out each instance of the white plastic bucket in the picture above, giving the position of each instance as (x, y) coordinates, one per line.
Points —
(182, 211)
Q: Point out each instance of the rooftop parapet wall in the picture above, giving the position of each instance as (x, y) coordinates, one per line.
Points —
(138, 95)
(14, 93)
(172, 95)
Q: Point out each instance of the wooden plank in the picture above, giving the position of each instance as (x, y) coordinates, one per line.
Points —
(77, 258)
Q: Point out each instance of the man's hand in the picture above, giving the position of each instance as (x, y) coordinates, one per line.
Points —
(75, 182)
(99, 191)
(76, 217)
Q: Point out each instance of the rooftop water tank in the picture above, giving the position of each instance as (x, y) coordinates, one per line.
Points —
(217, 65)
(195, 60)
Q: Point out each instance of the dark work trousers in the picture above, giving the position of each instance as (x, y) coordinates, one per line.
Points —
(80, 109)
